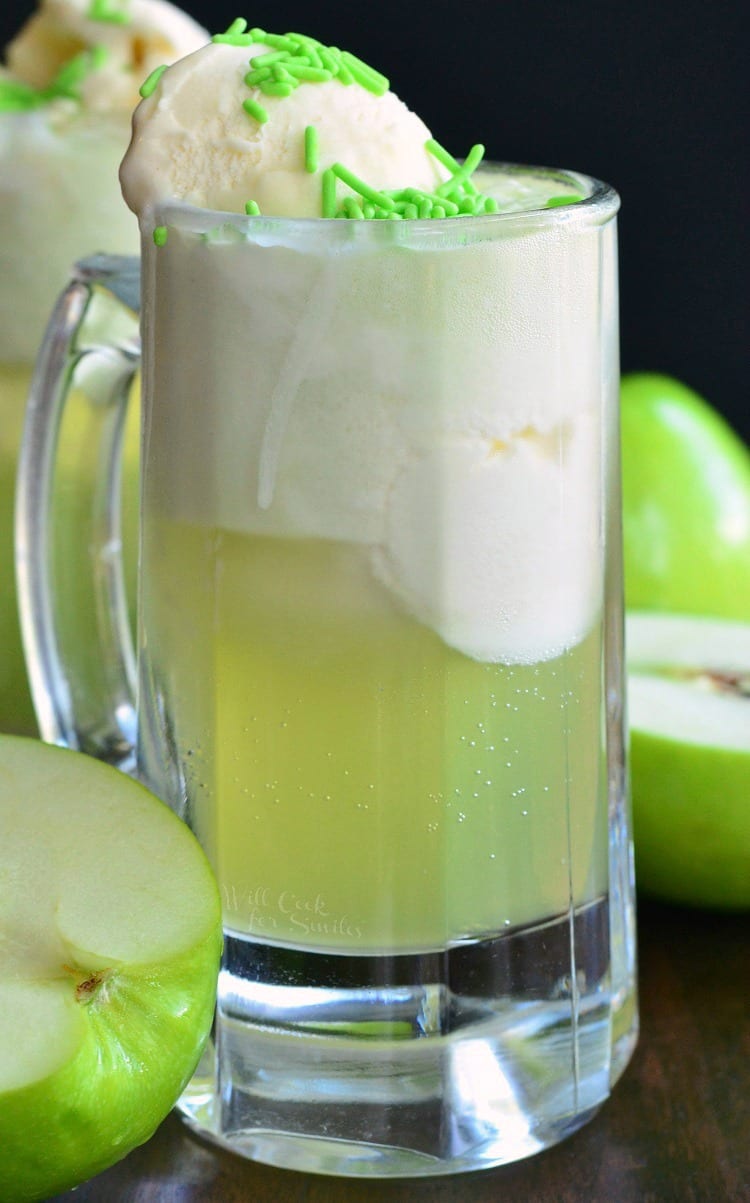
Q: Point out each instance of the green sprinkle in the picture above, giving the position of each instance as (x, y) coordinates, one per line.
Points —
(252, 208)
(329, 60)
(364, 190)
(235, 34)
(69, 79)
(328, 192)
(271, 87)
(366, 76)
(253, 109)
(462, 173)
(491, 205)
(280, 74)
(72, 74)
(304, 41)
(307, 74)
(441, 154)
(150, 84)
(438, 211)
(344, 75)
(105, 10)
(160, 235)
(311, 149)
(402, 195)
(352, 208)
(17, 97)
(450, 207)
(269, 58)
(253, 78)
(424, 208)
(279, 41)
(571, 199)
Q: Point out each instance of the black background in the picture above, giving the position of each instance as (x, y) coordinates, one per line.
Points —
(649, 95)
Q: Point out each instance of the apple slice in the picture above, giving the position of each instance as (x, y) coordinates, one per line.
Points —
(689, 710)
(110, 938)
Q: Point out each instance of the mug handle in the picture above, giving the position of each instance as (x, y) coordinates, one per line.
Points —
(68, 528)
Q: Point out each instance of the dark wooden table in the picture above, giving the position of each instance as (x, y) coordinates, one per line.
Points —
(676, 1130)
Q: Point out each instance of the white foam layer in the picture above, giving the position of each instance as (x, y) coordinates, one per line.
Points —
(441, 405)
(59, 201)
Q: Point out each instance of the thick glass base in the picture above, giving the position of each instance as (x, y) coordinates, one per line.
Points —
(365, 1071)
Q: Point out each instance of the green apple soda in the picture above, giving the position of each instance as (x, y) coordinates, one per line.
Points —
(383, 742)
(357, 784)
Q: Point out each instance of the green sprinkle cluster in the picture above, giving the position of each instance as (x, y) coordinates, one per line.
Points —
(109, 11)
(293, 59)
(458, 196)
(16, 96)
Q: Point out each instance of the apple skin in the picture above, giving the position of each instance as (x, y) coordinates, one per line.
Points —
(92, 1120)
(129, 1042)
(686, 502)
(16, 708)
(691, 822)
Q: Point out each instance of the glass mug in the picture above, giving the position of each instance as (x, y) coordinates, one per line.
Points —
(379, 664)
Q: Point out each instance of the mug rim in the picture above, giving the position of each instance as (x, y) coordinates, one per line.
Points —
(598, 205)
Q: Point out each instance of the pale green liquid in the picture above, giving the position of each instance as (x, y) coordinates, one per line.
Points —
(356, 783)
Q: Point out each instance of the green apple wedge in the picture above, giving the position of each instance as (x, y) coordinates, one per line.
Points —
(110, 939)
(686, 502)
(689, 716)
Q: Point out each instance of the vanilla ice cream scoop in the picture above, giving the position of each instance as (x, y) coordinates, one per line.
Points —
(66, 96)
(128, 38)
(277, 124)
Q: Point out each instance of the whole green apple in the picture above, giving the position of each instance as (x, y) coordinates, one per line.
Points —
(76, 469)
(110, 939)
(686, 502)
(689, 712)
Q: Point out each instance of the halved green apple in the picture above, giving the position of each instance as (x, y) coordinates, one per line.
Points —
(689, 713)
(686, 502)
(110, 938)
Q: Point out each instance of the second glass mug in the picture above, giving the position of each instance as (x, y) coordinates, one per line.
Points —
(379, 664)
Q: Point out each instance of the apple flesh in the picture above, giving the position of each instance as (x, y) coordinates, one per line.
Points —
(110, 939)
(686, 502)
(689, 713)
